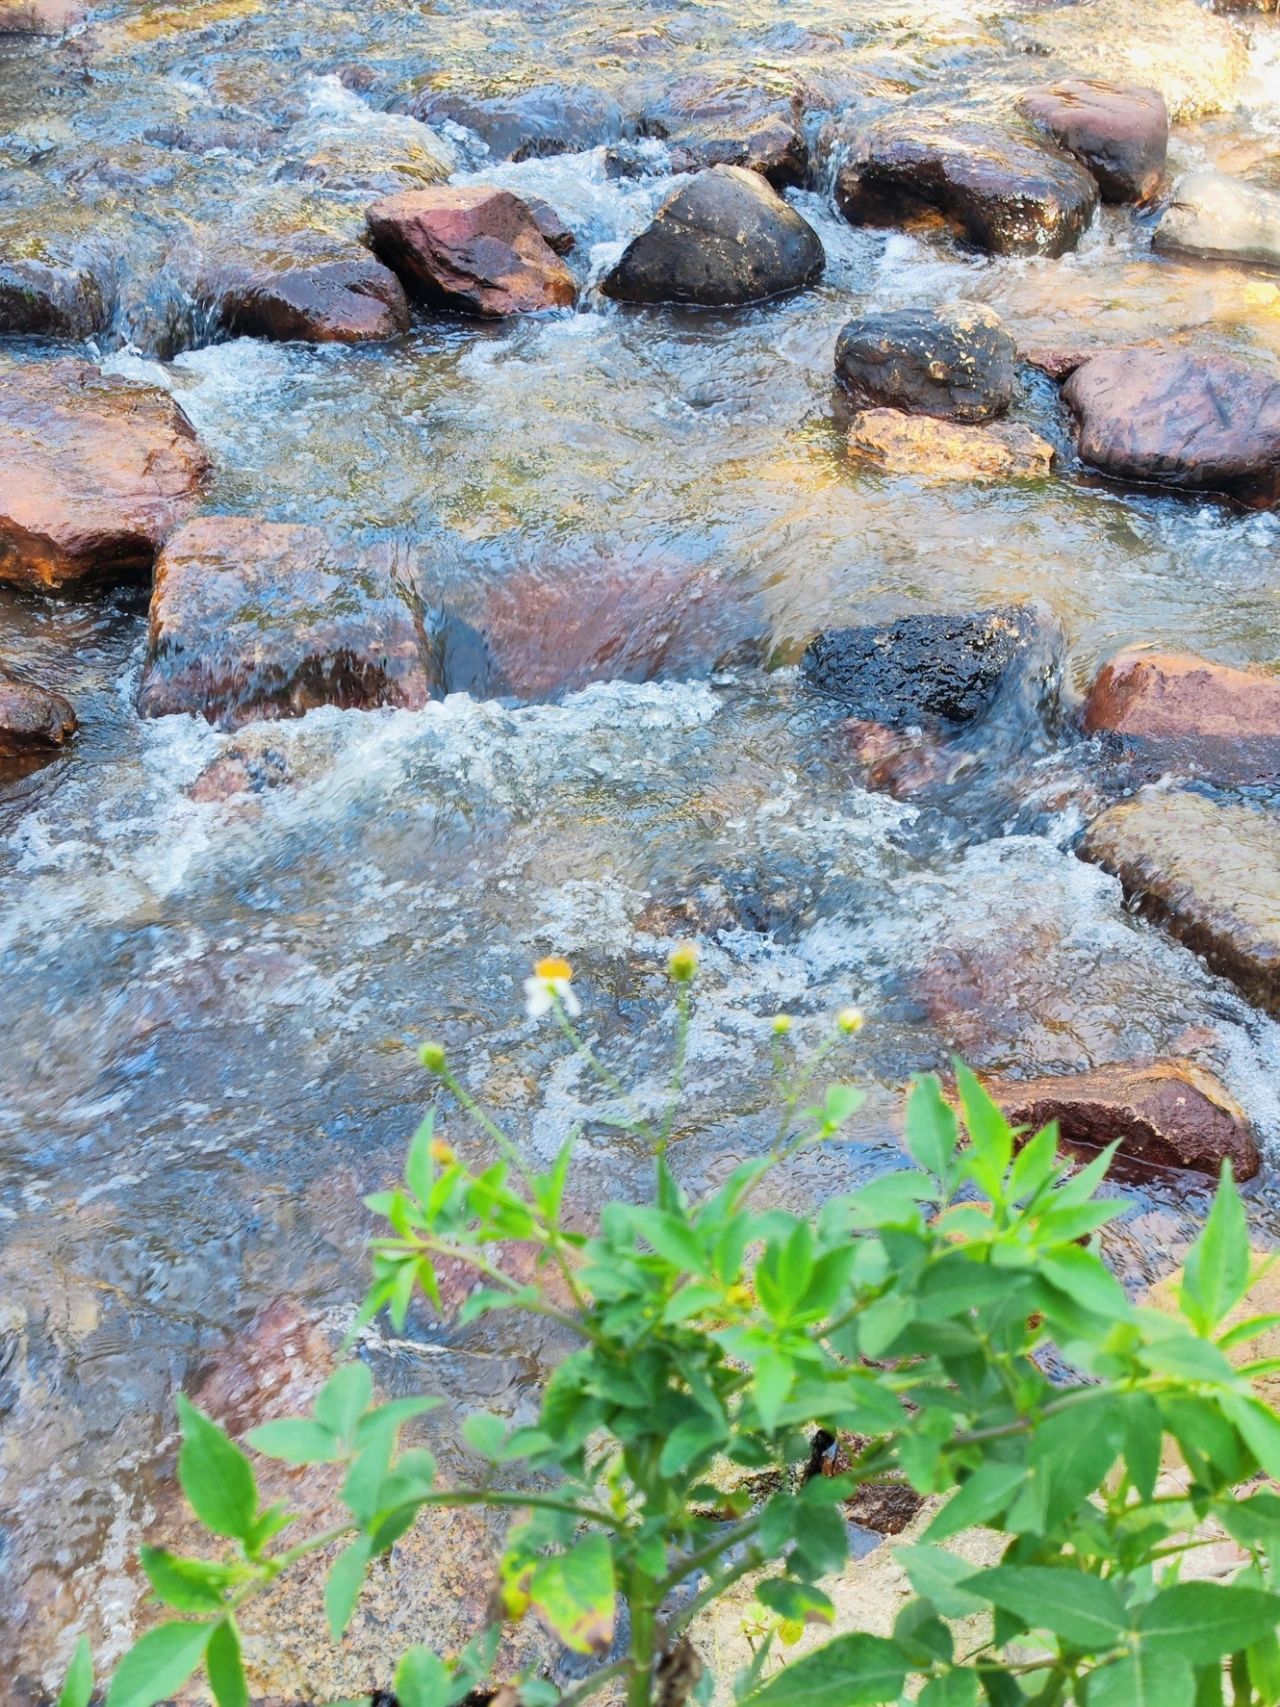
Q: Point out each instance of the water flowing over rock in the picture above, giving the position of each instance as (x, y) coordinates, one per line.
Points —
(723, 239)
(1216, 218)
(283, 294)
(1173, 417)
(930, 449)
(94, 472)
(1118, 131)
(531, 125)
(45, 299)
(1184, 714)
(724, 119)
(33, 720)
(477, 250)
(270, 619)
(1210, 873)
(1003, 192)
(957, 363)
(1172, 1113)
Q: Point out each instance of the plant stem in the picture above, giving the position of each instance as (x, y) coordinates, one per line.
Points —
(750, 1561)
(589, 1685)
(707, 1555)
(640, 1603)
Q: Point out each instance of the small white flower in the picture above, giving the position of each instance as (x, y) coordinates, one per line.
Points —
(549, 985)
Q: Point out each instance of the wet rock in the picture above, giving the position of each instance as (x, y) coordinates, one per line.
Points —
(930, 449)
(955, 362)
(284, 295)
(1118, 131)
(1216, 218)
(257, 619)
(1171, 1114)
(39, 17)
(901, 762)
(934, 670)
(214, 136)
(1003, 192)
(1179, 713)
(475, 249)
(32, 720)
(250, 766)
(555, 233)
(532, 125)
(1210, 873)
(1057, 364)
(45, 299)
(1174, 417)
(711, 119)
(723, 239)
(94, 472)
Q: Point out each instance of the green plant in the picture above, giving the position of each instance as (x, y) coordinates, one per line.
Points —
(920, 1314)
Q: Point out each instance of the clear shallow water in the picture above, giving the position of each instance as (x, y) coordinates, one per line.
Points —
(211, 1008)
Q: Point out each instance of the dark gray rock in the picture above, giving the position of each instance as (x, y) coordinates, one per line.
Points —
(958, 363)
(532, 125)
(723, 119)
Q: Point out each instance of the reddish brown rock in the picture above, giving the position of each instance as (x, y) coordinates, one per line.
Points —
(348, 299)
(947, 450)
(1057, 364)
(94, 472)
(1118, 131)
(33, 721)
(474, 249)
(251, 766)
(268, 619)
(1174, 417)
(1184, 713)
(1171, 1114)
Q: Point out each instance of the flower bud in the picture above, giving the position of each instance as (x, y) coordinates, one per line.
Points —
(442, 1152)
(433, 1057)
(781, 1024)
(851, 1021)
(682, 967)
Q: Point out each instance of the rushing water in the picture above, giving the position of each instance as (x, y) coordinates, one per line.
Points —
(211, 1007)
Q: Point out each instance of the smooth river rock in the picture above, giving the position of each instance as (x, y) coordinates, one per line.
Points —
(475, 249)
(723, 239)
(1179, 713)
(1119, 132)
(956, 362)
(285, 294)
(33, 721)
(1174, 417)
(531, 124)
(94, 472)
(1172, 1114)
(725, 119)
(1210, 873)
(932, 450)
(257, 619)
(1216, 218)
(1006, 193)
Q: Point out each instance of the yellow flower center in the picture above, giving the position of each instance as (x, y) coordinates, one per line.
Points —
(553, 970)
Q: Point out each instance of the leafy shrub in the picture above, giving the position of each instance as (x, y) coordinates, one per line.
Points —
(921, 1314)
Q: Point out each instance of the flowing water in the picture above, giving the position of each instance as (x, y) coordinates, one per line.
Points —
(211, 1008)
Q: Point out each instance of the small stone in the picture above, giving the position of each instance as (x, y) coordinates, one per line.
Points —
(1057, 364)
(1180, 713)
(956, 362)
(723, 239)
(947, 450)
(1117, 131)
(474, 249)
(33, 720)
(1216, 218)
(555, 233)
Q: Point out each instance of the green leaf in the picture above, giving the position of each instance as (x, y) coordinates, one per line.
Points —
(955, 1688)
(1250, 1329)
(575, 1596)
(296, 1440)
(800, 1602)
(341, 1590)
(422, 1679)
(932, 1129)
(1201, 1622)
(419, 1169)
(343, 1399)
(1035, 1164)
(774, 1372)
(990, 1135)
(1260, 1427)
(1086, 1281)
(225, 1666)
(1143, 1435)
(987, 1492)
(1216, 1271)
(940, 1577)
(852, 1671)
(79, 1684)
(484, 1433)
(158, 1664)
(188, 1585)
(686, 1440)
(1085, 1611)
(672, 1238)
(216, 1476)
(1148, 1677)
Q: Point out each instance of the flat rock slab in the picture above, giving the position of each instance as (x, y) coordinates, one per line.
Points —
(474, 249)
(1212, 217)
(33, 720)
(1173, 417)
(94, 472)
(955, 362)
(1119, 132)
(255, 619)
(326, 299)
(1179, 713)
(1005, 193)
(935, 450)
(723, 239)
(1210, 873)
(1170, 1114)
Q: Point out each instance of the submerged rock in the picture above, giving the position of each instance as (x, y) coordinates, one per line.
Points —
(1005, 193)
(33, 721)
(1173, 417)
(947, 450)
(1118, 131)
(475, 249)
(1210, 873)
(257, 619)
(94, 472)
(1216, 218)
(723, 239)
(1177, 712)
(955, 362)
(1172, 1114)
(531, 125)
(283, 294)
(934, 670)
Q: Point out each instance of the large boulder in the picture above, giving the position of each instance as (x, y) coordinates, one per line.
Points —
(1209, 872)
(955, 362)
(1170, 1113)
(34, 722)
(284, 293)
(1006, 193)
(928, 449)
(724, 238)
(1179, 713)
(1216, 218)
(532, 124)
(1174, 417)
(475, 249)
(257, 619)
(1118, 131)
(94, 472)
